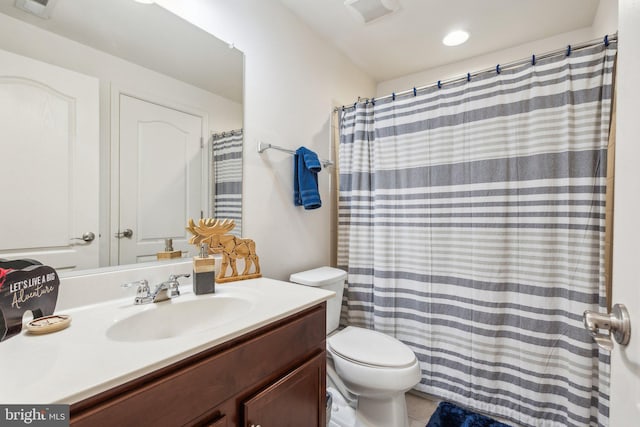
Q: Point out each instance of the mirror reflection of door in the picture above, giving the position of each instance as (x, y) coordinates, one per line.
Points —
(160, 178)
(49, 144)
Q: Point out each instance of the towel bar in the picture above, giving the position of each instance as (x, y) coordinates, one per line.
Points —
(262, 146)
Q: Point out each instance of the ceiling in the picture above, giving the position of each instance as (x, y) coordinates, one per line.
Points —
(147, 35)
(409, 40)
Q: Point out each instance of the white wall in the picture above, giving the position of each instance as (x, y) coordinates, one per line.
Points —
(605, 22)
(461, 68)
(606, 19)
(292, 80)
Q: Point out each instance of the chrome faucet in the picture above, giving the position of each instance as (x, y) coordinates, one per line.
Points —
(164, 291)
(168, 289)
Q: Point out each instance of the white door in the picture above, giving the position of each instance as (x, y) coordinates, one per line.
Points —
(161, 176)
(49, 148)
(625, 361)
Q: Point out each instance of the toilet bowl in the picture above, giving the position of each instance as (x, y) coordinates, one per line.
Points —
(379, 370)
(375, 368)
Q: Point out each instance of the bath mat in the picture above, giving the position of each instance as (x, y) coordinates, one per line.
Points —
(449, 415)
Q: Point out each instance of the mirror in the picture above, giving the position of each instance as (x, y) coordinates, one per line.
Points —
(133, 119)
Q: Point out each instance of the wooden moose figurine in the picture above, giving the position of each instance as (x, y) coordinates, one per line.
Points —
(213, 232)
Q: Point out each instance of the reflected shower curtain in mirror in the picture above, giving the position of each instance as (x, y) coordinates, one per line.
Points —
(226, 171)
(471, 224)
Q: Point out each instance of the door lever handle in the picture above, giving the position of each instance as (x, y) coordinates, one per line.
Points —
(86, 237)
(617, 323)
(125, 233)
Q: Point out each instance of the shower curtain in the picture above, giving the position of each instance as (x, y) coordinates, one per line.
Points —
(226, 170)
(471, 225)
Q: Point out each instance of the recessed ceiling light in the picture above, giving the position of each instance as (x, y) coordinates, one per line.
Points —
(454, 38)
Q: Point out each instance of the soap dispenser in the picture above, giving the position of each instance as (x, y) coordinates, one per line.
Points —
(169, 252)
(204, 275)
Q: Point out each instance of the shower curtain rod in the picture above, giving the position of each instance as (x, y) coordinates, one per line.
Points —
(222, 134)
(262, 146)
(498, 68)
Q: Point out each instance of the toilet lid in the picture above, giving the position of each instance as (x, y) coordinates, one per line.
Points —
(319, 276)
(371, 348)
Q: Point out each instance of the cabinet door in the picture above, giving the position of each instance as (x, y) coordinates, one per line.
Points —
(295, 400)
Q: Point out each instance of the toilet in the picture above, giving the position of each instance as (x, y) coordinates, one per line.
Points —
(374, 368)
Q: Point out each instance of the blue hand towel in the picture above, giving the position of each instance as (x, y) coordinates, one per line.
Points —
(305, 179)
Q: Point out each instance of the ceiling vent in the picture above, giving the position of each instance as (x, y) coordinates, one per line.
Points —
(40, 8)
(370, 10)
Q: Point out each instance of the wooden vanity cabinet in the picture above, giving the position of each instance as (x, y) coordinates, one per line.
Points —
(272, 377)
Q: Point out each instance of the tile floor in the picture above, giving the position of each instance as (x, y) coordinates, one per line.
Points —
(419, 409)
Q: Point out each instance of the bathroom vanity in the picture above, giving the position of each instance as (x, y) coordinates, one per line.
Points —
(274, 376)
(251, 354)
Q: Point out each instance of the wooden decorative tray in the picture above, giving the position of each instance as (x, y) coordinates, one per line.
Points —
(48, 324)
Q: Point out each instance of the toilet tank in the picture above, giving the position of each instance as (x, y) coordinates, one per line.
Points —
(328, 278)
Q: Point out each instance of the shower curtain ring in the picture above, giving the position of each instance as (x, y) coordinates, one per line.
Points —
(606, 40)
(415, 92)
(533, 60)
(498, 69)
(439, 84)
(568, 50)
(393, 96)
(468, 77)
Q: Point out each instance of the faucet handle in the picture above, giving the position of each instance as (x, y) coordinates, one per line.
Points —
(143, 289)
(175, 277)
(173, 283)
(140, 283)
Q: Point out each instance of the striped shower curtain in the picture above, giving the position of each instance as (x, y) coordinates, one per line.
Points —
(471, 224)
(226, 177)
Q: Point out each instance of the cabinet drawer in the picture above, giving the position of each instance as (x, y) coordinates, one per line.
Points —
(183, 392)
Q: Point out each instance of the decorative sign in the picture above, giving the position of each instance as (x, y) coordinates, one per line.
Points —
(25, 285)
(17, 264)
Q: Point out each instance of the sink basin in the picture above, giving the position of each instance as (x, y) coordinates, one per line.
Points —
(174, 318)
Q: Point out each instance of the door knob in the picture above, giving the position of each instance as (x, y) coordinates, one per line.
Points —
(617, 323)
(126, 233)
(86, 237)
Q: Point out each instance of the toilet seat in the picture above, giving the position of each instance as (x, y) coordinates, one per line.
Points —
(370, 348)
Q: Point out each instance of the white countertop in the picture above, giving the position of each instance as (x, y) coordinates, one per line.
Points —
(81, 361)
